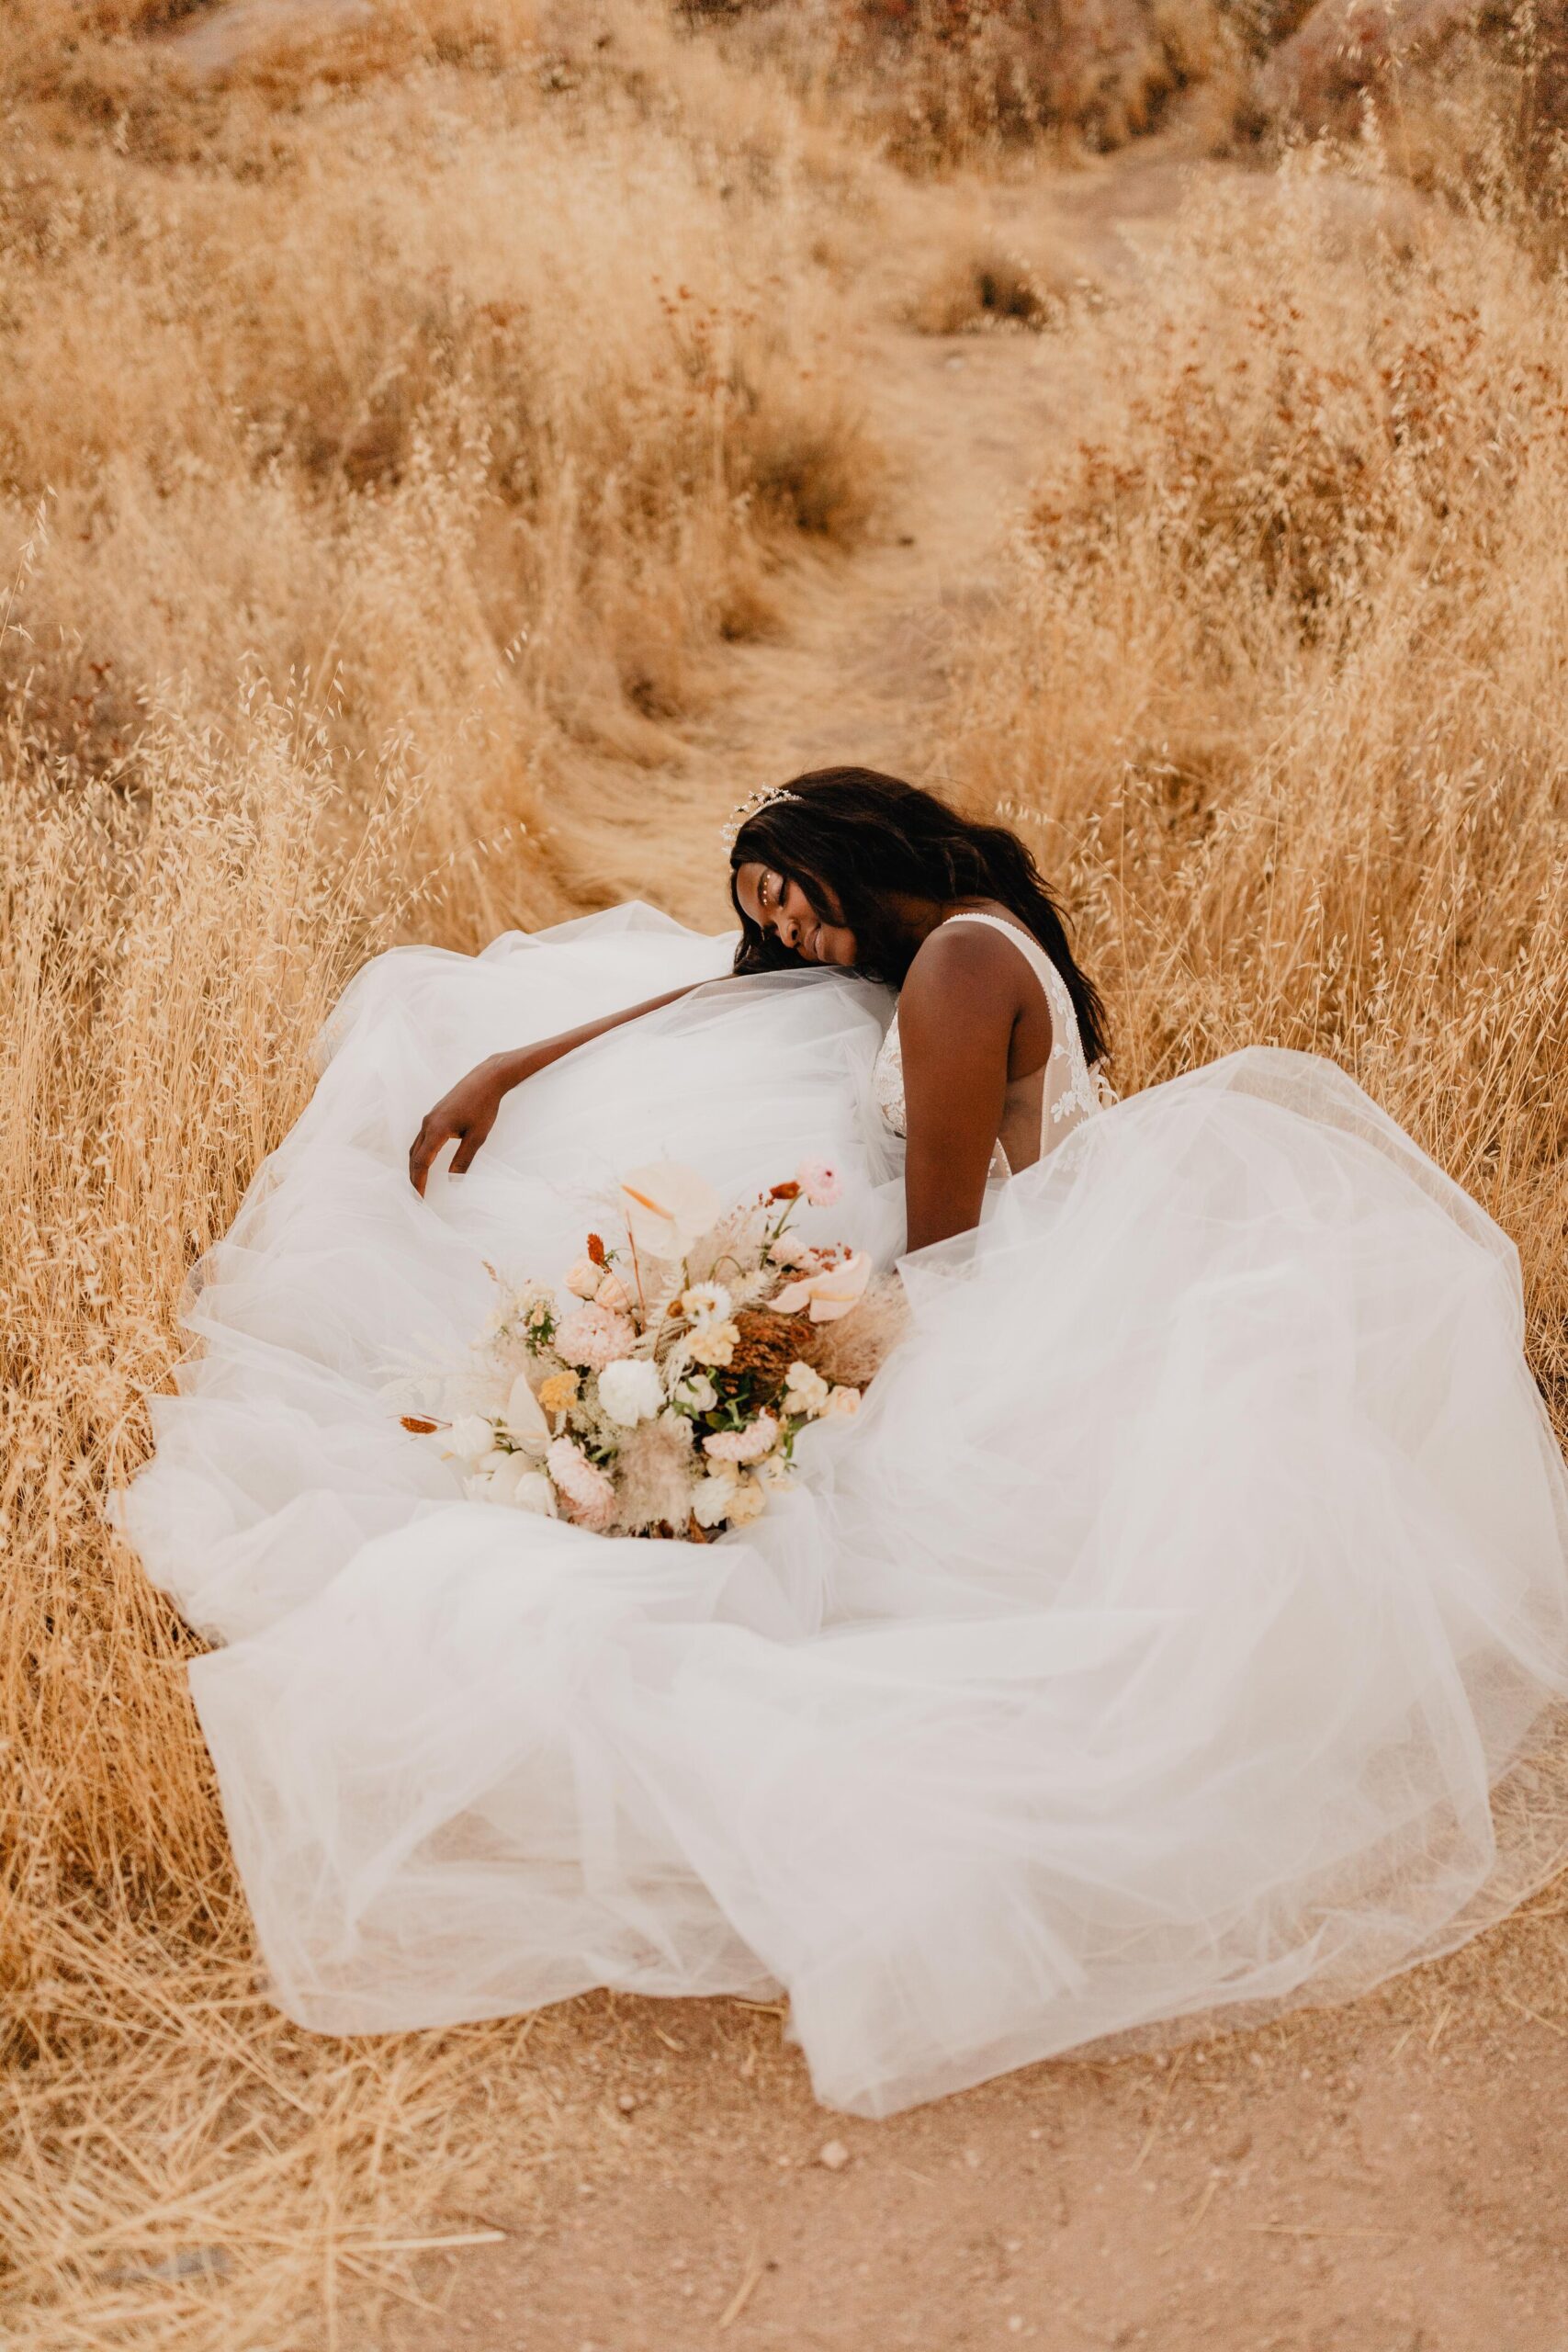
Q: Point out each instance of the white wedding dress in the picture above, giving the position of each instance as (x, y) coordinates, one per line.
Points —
(1153, 1645)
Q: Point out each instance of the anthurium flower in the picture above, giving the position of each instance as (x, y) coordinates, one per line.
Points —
(832, 1292)
(668, 1208)
(525, 1418)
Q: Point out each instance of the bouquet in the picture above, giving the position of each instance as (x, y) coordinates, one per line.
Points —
(663, 1394)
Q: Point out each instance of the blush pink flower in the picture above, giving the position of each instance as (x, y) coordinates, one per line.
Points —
(591, 1338)
(743, 1445)
(583, 1279)
(819, 1180)
(589, 1496)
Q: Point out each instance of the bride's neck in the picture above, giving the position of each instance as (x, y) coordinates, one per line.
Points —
(916, 918)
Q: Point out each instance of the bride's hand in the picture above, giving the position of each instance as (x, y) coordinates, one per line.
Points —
(468, 1114)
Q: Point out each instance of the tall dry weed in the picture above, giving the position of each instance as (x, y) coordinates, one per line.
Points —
(163, 962)
(1290, 619)
(946, 82)
(380, 448)
(475, 403)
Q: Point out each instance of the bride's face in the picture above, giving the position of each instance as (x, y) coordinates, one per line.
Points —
(781, 908)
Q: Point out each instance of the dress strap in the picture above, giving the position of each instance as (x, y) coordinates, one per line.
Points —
(1072, 1088)
(1045, 972)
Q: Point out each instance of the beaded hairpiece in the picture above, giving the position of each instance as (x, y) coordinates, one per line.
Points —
(766, 796)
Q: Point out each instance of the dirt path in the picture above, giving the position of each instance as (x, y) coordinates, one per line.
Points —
(1383, 2180)
(863, 642)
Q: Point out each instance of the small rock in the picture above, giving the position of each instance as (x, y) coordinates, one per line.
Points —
(833, 2155)
(627, 2103)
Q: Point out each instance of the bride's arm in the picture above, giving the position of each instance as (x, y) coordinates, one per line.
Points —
(469, 1112)
(955, 1021)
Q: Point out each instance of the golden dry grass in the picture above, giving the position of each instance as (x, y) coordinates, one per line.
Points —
(1290, 613)
(465, 401)
(371, 447)
(389, 434)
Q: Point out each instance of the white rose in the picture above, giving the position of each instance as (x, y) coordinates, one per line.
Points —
(471, 1437)
(533, 1492)
(750, 1502)
(711, 1497)
(698, 1396)
(630, 1390)
(583, 1278)
(843, 1404)
(806, 1390)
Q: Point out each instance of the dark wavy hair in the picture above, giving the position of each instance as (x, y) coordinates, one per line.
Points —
(851, 837)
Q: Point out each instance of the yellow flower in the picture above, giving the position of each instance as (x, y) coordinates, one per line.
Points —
(559, 1392)
(712, 1342)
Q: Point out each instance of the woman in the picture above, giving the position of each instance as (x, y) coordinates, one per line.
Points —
(859, 871)
(1149, 1646)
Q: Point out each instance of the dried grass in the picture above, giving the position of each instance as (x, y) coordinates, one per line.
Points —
(351, 386)
(473, 406)
(1292, 615)
(945, 83)
(375, 444)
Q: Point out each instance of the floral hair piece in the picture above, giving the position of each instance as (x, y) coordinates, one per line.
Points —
(765, 796)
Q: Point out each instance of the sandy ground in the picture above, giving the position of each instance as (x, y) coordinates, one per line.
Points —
(1387, 2178)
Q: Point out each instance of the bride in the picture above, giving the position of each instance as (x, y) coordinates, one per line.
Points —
(1150, 1648)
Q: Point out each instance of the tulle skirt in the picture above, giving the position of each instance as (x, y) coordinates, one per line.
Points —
(1152, 1646)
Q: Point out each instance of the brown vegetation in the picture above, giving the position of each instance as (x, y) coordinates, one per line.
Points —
(395, 433)
(1291, 612)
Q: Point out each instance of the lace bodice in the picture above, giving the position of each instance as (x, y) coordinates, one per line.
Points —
(1071, 1089)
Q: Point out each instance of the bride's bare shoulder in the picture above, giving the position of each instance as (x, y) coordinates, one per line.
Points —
(961, 969)
(957, 949)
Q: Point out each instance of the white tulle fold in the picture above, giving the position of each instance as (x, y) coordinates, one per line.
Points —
(1152, 1645)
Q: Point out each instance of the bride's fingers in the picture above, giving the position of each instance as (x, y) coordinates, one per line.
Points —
(432, 1133)
(463, 1158)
